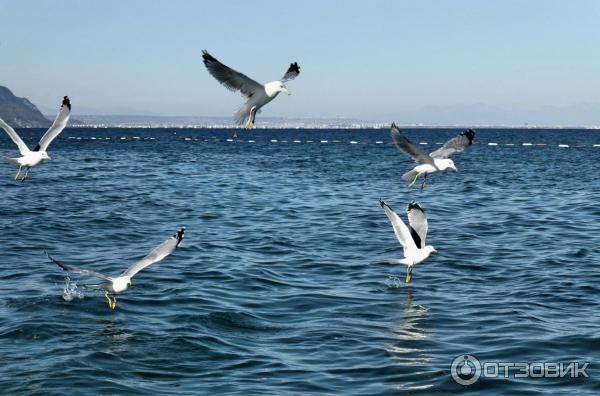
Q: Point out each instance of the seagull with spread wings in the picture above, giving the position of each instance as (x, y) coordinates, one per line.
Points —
(31, 158)
(437, 160)
(412, 238)
(257, 94)
(113, 285)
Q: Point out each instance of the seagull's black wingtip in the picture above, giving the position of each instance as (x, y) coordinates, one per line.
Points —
(383, 204)
(470, 134)
(179, 235)
(294, 68)
(414, 205)
(66, 102)
(208, 58)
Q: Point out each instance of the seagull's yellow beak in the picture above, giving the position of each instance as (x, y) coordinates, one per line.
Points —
(49, 158)
(129, 282)
(434, 251)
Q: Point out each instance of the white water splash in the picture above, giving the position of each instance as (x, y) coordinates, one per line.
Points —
(70, 291)
(394, 282)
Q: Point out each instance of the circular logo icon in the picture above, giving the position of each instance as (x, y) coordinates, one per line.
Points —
(465, 369)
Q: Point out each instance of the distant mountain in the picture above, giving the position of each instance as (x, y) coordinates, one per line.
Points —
(20, 112)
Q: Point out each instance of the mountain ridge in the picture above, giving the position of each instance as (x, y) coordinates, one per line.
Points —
(20, 112)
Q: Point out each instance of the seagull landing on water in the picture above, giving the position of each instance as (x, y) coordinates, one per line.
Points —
(435, 161)
(413, 239)
(257, 94)
(31, 158)
(118, 284)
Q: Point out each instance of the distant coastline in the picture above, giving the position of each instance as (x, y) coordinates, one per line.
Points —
(205, 122)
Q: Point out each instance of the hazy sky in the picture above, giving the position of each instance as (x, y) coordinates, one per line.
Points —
(358, 58)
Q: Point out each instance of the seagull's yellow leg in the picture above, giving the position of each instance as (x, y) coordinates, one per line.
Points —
(26, 174)
(250, 122)
(114, 303)
(411, 185)
(424, 182)
(109, 300)
(18, 171)
(408, 274)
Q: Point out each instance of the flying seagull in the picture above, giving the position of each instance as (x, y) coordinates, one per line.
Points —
(113, 285)
(31, 158)
(257, 94)
(412, 238)
(437, 160)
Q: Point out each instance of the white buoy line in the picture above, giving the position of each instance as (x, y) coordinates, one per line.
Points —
(322, 141)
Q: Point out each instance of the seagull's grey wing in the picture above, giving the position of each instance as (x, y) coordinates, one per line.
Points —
(292, 72)
(400, 229)
(405, 145)
(78, 270)
(23, 149)
(231, 79)
(57, 126)
(418, 223)
(455, 145)
(157, 254)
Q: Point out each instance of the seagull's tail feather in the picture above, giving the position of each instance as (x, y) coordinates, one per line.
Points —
(410, 175)
(11, 160)
(241, 114)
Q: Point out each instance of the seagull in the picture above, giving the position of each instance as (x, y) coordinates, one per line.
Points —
(437, 160)
(257, 94)
(413, 239)
(31, 158)
(113, 285)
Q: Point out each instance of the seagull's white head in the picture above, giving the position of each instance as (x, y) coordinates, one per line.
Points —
(121, 283)
(430, 249)
(45, 156)
(274, 87)
(445, 163)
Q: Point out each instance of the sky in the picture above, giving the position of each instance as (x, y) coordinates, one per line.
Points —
(363, 59)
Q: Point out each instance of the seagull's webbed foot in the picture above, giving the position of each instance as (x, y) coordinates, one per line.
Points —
(112, 302)
(408, 274)
(424, 182)
(18, 171)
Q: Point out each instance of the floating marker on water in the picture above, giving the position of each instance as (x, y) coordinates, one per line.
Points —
(353, 142)
(563, 145)
(323, 141)
(596, 145)
(250, 141)
(297, 141)
(527, 144)
(423, 143)
(492, 144)
(273, 140)
(230, 140)
(378, 142)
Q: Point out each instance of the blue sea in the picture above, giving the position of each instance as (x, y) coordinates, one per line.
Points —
(282, 285)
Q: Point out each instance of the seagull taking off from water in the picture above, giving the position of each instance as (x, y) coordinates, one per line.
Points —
(413, 239)
(257, 94)
(113, 285)
(435, 161)
(31, 158)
